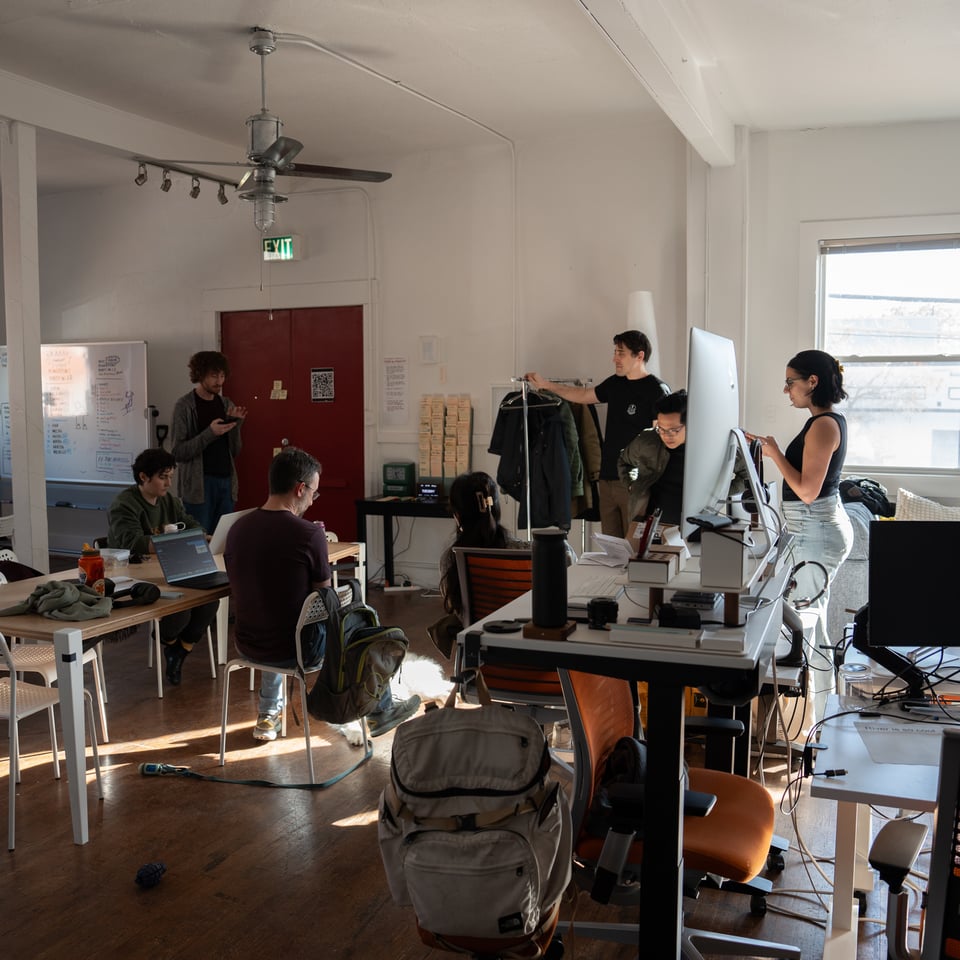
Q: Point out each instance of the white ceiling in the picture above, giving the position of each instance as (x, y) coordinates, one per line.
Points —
(457, 72)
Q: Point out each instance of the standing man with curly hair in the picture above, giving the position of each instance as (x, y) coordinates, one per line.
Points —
(206, 440)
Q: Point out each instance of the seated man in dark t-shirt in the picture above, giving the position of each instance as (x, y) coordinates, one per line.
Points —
(275, 559)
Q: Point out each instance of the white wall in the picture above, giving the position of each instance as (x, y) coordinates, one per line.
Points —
(897, 171)
(515, 262)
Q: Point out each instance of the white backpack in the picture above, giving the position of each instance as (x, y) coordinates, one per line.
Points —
(473, 833)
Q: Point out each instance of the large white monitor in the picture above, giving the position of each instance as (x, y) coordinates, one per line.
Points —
(713, 411)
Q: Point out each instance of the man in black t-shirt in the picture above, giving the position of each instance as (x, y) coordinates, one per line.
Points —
(631, 395)
(206, 438)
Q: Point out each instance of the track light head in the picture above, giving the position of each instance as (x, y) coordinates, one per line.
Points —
(195, 188)
(222, 193)
(141, 178)
(165, 183)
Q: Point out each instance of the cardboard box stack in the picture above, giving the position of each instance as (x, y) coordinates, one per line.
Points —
(446, 437)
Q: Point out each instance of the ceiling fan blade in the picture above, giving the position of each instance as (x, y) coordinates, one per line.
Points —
(333, 173)
(244, 179)
(281, 152)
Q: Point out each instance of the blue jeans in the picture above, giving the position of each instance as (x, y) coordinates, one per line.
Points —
(217, 500)
(823, 533)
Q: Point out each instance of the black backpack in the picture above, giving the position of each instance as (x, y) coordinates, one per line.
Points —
(360, 659)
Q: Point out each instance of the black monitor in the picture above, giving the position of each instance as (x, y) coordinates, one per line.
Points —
(910, 580)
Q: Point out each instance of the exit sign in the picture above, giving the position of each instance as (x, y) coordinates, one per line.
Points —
(282, 248)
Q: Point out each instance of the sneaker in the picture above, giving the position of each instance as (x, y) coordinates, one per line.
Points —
(383, 721)
(267, 727)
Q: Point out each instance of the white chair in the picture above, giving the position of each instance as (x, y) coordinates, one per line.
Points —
(41, 658)
(19, 699)
(312, 611)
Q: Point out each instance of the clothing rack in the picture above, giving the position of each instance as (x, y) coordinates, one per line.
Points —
(525, 392)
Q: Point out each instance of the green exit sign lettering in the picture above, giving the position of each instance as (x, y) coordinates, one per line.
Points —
(282, 248)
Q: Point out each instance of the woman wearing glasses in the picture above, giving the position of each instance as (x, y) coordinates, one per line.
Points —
(811, 467)
(651, 465)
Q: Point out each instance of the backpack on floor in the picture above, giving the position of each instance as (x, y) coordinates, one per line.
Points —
(473, 832)
(360, 658)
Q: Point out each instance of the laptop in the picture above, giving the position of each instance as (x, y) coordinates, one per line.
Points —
(186, 560)
(218, 542)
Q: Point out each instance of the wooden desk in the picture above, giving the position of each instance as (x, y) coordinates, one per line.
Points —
(390, 508)
(910, 786)
(668, 671)
(69, 638)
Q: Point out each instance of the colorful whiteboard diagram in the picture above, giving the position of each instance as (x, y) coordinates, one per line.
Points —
(95, 415)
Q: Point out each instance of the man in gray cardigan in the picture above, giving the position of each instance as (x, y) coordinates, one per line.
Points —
(206, 440)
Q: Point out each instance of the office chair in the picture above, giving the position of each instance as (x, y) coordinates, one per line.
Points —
(732, 840)
(490, 578)
(312, 611)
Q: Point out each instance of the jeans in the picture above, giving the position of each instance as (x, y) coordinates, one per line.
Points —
(217, 500)
(822, 533)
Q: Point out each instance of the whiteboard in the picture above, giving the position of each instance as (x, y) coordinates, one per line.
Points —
(95, 416)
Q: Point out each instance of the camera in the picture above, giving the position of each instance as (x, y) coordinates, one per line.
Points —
(601, 611)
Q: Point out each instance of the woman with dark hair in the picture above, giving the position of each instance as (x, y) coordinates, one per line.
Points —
(811, 467)
(475, 504)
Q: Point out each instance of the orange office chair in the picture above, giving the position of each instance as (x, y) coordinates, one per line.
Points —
(731, 841)
(490, 578)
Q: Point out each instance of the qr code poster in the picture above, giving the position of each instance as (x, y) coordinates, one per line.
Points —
(321, 385)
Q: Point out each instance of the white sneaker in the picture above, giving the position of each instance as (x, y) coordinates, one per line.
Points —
(267, 727)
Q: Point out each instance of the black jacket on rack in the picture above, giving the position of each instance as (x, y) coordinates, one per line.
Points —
(549, 465)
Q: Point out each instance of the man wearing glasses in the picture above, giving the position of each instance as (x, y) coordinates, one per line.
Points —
(630, 394)
(651, 465)
(275, 558)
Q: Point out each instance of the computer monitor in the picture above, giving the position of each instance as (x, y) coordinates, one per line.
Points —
(713, 413)
(910, 580)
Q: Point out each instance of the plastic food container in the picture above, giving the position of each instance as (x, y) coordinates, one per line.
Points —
(115, 561)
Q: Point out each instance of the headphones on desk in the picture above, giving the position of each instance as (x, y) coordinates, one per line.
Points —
(142, 594)
(799, 603)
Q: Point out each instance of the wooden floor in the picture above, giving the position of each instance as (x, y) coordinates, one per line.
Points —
(254, 872)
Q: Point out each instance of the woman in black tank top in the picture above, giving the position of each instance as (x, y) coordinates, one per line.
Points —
(812, 510)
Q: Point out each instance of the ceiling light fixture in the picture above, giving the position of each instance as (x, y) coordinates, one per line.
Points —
(141, 178)
(222, 193)
(195, 188)
(165, 184)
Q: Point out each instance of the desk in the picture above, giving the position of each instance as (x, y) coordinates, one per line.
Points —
(68, 639)
(911, 786)
(668, 672)
(388, 509)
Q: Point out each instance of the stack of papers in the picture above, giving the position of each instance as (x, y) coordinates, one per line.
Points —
(614, 551)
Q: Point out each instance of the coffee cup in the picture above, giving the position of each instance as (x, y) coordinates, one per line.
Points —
(174, 527)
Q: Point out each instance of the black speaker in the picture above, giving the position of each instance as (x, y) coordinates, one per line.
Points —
(549, 577)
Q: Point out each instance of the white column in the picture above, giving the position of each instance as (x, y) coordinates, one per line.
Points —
(21, 289)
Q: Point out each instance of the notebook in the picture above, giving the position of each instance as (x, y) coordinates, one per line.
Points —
(186, 560)
(218, 542)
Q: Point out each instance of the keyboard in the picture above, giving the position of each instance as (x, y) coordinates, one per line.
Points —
(605, 585)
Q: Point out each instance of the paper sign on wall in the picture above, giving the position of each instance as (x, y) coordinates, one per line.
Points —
(395, 386)
(321, 385)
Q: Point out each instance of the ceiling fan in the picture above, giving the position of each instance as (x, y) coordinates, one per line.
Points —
(269, 154)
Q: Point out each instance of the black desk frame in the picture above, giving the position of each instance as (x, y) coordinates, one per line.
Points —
(388, 509)
(661, 872)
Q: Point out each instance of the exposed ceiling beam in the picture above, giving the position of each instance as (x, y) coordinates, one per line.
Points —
(660, 58)
(125, 133)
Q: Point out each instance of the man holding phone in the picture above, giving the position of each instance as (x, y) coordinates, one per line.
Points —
(206, 440)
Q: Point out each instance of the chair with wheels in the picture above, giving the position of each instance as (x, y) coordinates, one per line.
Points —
(732, 840)
(312, 611)
(20, 699)
(490, 578)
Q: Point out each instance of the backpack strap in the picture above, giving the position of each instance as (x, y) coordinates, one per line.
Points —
(483, 691)
(473, 821)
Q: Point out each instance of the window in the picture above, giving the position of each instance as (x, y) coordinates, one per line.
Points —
(890, 313)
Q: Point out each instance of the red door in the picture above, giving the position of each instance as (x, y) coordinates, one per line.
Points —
(299, 373)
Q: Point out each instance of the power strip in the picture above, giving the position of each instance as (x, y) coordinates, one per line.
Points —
(407, 589)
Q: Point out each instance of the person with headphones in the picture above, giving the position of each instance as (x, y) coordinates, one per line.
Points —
(810, 466)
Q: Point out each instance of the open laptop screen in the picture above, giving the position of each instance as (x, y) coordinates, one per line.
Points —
(184, 554)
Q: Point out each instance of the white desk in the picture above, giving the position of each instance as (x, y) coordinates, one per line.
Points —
(911, 786)
(669, 670)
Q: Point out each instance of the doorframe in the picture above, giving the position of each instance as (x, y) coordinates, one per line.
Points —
(337, 293)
